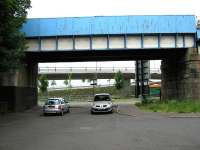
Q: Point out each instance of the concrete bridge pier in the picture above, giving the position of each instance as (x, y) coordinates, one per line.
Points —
(126, 90)
(181, 76)
(18, 89)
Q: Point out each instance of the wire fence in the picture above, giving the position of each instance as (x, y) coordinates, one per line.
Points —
(42, 70)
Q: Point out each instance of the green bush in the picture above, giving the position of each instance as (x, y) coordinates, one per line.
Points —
(184, 106)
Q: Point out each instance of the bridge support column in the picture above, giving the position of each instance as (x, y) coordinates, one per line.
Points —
(19, 88)
(126, 90)
(142, 73)
(181, 76)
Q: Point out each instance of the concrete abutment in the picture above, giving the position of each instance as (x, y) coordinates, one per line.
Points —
(181, 76)
(19, 88)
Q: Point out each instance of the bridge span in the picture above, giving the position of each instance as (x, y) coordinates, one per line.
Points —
(109, 37)
(174, 39)
(60, 73)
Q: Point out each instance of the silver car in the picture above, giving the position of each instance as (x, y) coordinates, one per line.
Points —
(102, 103)
(55, 106)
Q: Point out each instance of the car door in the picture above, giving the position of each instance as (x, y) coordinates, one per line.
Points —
(64, 105)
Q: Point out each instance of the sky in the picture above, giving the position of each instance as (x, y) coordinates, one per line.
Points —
(78, 8)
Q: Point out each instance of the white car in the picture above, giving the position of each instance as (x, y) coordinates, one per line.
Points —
(102, 103)
(55, 106)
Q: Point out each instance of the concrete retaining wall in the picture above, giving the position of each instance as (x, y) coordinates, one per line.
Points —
(181, 76)
(19, 88)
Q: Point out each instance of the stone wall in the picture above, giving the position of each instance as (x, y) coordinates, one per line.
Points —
(181, 76)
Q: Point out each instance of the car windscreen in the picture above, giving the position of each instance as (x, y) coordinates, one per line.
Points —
(53, 102)
(102, 98)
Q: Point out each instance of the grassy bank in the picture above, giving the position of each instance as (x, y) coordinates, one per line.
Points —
(185, 106)
(86, 94)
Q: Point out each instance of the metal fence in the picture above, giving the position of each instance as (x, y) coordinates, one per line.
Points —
(44, 70)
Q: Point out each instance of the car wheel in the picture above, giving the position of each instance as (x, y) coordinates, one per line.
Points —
(62, 113)
(111, 111)
(68, 111)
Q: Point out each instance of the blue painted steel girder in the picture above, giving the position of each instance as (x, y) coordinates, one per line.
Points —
(77, 26)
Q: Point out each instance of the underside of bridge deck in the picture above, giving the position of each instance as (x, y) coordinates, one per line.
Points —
(103, 55)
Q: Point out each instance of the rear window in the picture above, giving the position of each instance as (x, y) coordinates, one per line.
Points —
(53, 102)
(102, 98)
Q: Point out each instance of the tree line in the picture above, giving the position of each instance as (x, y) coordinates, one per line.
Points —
(43, 82)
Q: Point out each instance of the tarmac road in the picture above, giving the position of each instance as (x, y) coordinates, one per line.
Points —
(129, 129)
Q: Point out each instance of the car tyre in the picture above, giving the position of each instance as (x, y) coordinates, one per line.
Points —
(111, 111)
(62, 113)
(91, 112)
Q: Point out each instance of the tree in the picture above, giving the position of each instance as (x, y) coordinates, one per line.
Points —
(119, 80)
(12, 41)
(108, 81)
(43, 83)
(83, 80)
(67, 82)
(89, 81)
(53, 83)
(68, 79)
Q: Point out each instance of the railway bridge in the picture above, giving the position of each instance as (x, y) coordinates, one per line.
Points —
(174, 39)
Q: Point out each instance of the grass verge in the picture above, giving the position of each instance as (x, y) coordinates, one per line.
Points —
(184, 106)
(86, 94)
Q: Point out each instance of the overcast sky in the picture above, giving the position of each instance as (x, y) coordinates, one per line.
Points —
(76, 8)
(64, 8)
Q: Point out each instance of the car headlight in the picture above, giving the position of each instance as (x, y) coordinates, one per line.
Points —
(109, 105)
